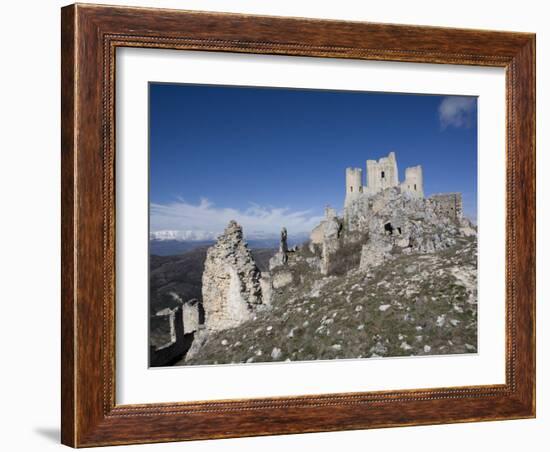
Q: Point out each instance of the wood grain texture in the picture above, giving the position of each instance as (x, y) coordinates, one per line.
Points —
(67, 225)
(90, 36)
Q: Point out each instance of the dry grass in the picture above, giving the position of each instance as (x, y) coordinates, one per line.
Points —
(412, 305)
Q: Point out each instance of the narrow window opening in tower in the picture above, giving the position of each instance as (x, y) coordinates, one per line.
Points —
(351, 189)
(201, 314)
(382, 174)
(414, 187)
(361, 189)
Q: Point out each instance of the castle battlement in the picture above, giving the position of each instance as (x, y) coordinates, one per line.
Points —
(382, 174)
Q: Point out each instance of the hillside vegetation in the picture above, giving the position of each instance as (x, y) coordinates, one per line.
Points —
(413, 304)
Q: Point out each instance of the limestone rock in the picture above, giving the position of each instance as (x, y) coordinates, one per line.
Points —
(314, 263)
(199, 339)
(332, 229)
(331, 243)
(397, 221)
(277, 260)
(317, 234)
(231, 288)
(374, 253)
(266, 285)
(467, 229)
(283, 246)
(281, 279)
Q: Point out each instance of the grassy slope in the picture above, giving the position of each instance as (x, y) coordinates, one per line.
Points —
(429, 306)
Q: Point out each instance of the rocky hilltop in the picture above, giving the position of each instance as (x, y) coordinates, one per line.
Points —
(392, 277)
(416, 304)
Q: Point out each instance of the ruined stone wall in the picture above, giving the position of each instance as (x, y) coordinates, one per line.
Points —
(382, 174)
(356, 212)
(168, 341)
(414, 182)
(330, 212)
(447, 204)
(318, 233)
(399, 224)
(231, 287)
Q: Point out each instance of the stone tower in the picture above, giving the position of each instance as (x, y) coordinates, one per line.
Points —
(382, 174)
(413, 183)
(354, 183)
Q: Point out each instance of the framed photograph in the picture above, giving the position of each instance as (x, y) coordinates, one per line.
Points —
(281, 225)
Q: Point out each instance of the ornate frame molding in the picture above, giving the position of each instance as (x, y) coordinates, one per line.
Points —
(90, 36)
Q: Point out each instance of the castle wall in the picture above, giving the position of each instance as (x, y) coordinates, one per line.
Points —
(414, 182)
(382, 174)
(166, 350)
(330, 212)
(318, 233)
(447, 204)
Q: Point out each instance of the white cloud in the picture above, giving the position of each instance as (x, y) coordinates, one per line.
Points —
(456, 111)
(185, 221)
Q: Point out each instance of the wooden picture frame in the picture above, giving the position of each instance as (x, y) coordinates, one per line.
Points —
(90, 36)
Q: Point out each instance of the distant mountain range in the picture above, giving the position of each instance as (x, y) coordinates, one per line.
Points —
(172, 247)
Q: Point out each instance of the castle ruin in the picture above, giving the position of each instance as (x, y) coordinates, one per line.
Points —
(232, 285)
(384, 220)
(447, 204)
(383, 174)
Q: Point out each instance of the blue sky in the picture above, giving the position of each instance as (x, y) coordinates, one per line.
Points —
(270, 157)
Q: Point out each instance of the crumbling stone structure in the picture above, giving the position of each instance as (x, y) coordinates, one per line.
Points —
(414, 182)
(381, 175)
(395, 215)
(317, 235)
(231, 281)
(447, 204)
(172, 333)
